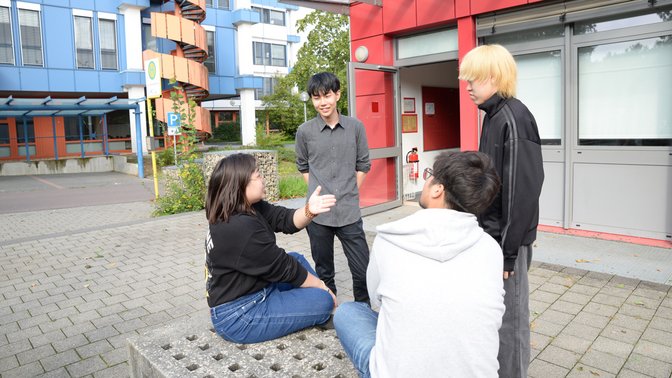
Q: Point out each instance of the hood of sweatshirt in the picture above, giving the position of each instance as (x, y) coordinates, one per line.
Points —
(437, 234)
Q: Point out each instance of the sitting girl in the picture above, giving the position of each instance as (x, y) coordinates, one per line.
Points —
(256, 291)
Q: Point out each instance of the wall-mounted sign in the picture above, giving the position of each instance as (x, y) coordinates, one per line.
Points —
(429, 108)
(408, 105)
(153, 78)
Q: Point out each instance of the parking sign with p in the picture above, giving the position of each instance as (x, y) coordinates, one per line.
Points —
(173, 123)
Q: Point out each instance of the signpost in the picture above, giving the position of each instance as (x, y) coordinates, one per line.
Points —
(153, 85)
(174, 129)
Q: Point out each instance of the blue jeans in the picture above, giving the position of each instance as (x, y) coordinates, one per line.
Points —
(355, 324)
(275, 311)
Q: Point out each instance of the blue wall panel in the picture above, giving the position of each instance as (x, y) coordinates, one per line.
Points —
(58, 37)
(82, 4)
(61, 80)
(86, 81)
(33, 79)
(110, 81)
(10, 80)
(226, 52)
(57, 3)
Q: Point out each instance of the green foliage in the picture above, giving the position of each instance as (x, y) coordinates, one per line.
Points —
(292, 187)
(287, 155)
(186, 193)
(165, 158)
(226, 131)
(187, 111)
(327, 49)
(270, 140)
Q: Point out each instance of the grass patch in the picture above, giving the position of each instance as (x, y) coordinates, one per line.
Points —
(292, 187)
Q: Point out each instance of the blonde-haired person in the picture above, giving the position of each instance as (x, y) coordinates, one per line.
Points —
(510, 136)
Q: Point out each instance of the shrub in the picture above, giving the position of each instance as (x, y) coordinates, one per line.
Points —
(226, 131)
(185, 192)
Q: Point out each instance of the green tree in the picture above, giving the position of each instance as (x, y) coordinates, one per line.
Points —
(327, 49)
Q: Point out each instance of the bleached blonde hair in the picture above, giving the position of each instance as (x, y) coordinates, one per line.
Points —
(491, 61)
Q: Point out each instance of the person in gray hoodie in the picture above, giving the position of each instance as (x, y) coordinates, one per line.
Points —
(436, 277)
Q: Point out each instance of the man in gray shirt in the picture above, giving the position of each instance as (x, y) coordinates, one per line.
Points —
(331, 151)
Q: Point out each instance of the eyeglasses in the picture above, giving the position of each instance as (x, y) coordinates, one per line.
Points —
(427, 173)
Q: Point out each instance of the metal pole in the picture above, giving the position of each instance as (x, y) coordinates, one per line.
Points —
(138, 142)
(106, 141)
(81, 135)
(150, 119)
(305, 119)
(25, 138)
(53, 127)
(175, 148)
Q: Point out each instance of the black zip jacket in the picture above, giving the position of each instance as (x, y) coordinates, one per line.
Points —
(511, 138)
(242, 257)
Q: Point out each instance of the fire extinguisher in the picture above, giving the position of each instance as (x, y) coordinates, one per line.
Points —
(413, 159)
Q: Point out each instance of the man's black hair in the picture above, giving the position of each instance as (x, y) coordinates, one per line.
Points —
(469, 180)
(322, 83)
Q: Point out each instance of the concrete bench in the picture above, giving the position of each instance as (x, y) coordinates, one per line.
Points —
(193, 349)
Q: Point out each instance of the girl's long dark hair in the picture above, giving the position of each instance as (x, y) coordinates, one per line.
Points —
(226, 190)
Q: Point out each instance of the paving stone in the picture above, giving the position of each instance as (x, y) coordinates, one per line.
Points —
(648, 303)
(653, 350)
(58, 373)
(571, 297)
(8, 363)
(582, 331)
(543, 369)
(70, 343)
(604, 361)
(559, 357)
(649, 366)
(536, 307)
(130, 325)
(78, 328)
(33, 321)
(35, 354)
(539, 341)
(115, 356)
(101, 333)
(118, 371)
(630, 322)
(571, 343)
(54, 325)
(637, 311)
(95, 348)
(661, 324)
(592, 319)
(658, 336)
(544, 296)
(107, 320)
(59, 360)
(617, 348)
(22, 334)
(546, 328)
(14, 348)
(47, 338)
(664, 312)
(53, 299)
(583, 371)
(566, 307)
(616, 291)
(87, 366)
(626, 373)
(651, 290)
(30, 370)
(565, 280)
(623, 334)
(601, 309)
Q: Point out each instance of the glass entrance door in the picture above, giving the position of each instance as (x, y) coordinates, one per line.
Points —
(373, 99)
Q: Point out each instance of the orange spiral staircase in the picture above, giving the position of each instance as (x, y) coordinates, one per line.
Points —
(185, 63)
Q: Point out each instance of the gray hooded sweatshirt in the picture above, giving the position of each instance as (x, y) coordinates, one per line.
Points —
(437, 278)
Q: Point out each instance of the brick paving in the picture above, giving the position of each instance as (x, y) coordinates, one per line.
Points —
(76, 283)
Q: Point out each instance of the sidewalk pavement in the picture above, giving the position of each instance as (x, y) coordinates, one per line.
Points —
(76, 283)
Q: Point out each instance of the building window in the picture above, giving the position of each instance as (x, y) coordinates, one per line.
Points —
(148, 40)
(21, 135)
(84, 42)
(108, 44)
(267, 89)
(4, 133)
(221, 4)
(31, 37)
(6, 45)
(624, 93)
(267, 54)
(210, 63)
(270, 16)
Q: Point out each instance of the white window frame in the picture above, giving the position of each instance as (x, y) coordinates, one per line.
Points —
(35, 8)
(84, 14)
(270, 51)
(7, 4)
(108, 17)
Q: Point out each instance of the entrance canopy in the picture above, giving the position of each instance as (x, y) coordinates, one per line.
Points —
(11, 107)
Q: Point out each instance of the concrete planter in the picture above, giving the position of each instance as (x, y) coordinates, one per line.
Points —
(267, 162)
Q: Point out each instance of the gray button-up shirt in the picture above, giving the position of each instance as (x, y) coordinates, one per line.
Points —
(332, 158)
